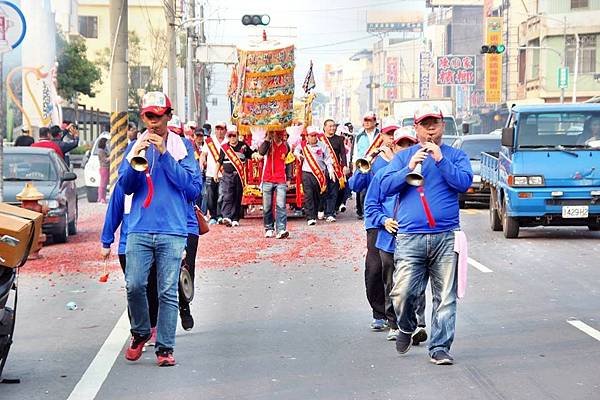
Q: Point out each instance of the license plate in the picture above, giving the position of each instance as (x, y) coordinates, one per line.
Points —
(575, 211)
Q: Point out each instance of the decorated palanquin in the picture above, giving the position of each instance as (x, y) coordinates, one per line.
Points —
(262, 93)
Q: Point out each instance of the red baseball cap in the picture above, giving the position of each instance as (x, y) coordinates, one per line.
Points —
(427, 110)
(156, 103)
(175, 125)
(389, 129)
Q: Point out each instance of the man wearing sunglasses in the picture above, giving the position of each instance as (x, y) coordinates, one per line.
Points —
(157, 224)
(233, 158)
(362, 143)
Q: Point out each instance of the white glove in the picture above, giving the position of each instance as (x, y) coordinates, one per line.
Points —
(105, 253)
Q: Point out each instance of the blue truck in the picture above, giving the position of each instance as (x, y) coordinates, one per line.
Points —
(547, 171)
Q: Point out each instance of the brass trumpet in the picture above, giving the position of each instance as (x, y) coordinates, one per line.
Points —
(415, 177)
(139, 162)
(364, 164)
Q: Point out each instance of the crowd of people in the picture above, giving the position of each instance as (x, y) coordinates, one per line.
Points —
(411, 228)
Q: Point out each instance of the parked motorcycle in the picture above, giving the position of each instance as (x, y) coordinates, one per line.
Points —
(19, 231)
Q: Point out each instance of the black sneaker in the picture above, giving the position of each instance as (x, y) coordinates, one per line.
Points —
(187, 321)
(441, 357)
(403, 342)
(419, 336)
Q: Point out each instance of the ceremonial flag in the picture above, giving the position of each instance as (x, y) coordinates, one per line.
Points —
(309, 81)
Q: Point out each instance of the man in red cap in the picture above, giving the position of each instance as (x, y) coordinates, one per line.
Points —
(158, 219)
(363, 144)
(208, 159)
(427, 221)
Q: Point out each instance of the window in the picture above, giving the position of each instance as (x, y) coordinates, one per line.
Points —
(534, 72)
(579, 4)
(88, 26)
(552, 129)
(587, 53)
(139, 76)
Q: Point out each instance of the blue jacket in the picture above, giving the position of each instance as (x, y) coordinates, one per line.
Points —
(115, 217)
(371, 218)
(443, 181)
(378, 208)
(192, 221)
(359, 181)
(176, 185)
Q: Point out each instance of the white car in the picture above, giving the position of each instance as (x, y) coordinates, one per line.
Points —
(91, 171)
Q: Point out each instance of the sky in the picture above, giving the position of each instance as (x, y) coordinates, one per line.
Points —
(323, 31)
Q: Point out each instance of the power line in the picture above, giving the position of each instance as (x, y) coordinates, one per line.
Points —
(336, 43)
(364, 6)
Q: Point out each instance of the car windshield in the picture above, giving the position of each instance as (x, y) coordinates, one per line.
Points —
(449, 130)
(28, 167)
(562, 129)
(474, 148)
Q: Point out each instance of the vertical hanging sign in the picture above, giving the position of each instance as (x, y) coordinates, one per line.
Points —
(424, 68)
(493, 62)
(392, 78)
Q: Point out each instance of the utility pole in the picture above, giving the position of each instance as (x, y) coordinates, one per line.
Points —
(576, 68)
(191, 51)
(562, 89)
(202, 75)
(172, 49)
(119, 81)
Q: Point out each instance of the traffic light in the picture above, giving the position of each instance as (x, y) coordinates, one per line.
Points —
(256, 19)
(493, 49)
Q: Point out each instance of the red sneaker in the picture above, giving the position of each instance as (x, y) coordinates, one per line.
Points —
(134, 351)
(165, 358)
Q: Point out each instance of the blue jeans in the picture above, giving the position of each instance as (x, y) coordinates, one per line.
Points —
(280, 190)
(166, 251)
(420, 257)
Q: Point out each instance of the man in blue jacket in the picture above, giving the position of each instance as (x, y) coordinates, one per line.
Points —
(157, 228)
(382, 210)
(427, 219)
(359, 182)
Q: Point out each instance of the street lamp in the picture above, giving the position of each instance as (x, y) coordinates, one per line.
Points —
(562, 63)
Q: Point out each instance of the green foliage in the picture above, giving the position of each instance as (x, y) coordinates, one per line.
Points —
(80, 149)
(76, 74)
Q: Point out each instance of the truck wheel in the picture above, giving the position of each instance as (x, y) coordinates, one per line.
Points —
(594, 226)
(92, 194)
(495, 221)
(510, 225)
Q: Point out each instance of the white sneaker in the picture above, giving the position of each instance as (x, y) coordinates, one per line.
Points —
(269, 233)
(393, 334)
(235, 223)
(226, 222)
(331, 218)
(282, 234)
(342, 208)
(311, 222)
(321, 215)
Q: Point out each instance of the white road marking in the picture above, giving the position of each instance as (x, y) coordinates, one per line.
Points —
(479, 266)
(585, 328)
(90, 383)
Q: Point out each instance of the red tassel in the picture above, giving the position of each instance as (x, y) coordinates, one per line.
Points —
(428, 214)
(150, 194)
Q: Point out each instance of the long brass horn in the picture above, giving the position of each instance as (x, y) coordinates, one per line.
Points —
(139, 162)
(364, 164)
(415, 177)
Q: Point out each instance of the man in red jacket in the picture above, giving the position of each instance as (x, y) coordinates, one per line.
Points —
(275, 179)
(46, 142)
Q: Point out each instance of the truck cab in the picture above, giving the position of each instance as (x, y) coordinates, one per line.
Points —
(547, 171)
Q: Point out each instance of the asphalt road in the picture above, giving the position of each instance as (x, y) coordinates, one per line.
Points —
(289, 320)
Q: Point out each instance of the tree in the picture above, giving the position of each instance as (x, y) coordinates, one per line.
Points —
(76, 74)
(145, 70)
